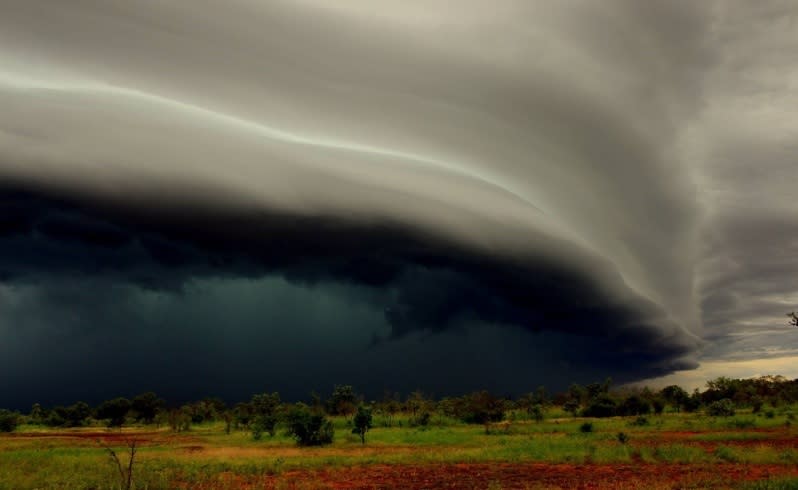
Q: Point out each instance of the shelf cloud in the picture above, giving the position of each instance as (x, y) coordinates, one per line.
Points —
(484, 190)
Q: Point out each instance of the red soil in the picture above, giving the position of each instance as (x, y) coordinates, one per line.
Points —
(521, 476)
(775, 438)
(82, 437)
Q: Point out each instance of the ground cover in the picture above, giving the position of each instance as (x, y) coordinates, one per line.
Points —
(667, 451)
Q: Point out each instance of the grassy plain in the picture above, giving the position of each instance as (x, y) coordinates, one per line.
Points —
(668, 451)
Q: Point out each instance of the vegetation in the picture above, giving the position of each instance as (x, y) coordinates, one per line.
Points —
(594, 423)
(8, 420)
(362, 422)
(309, 428)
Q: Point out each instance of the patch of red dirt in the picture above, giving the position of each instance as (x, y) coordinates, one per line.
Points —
(518, 476)
(107, 437)
(772, 438)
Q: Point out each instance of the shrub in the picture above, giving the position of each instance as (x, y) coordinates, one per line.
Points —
(571, 406)
(634, 405)
(756, 403)
(8, 420)
(721, 408)
(601, 406)
(114, 411)
(537, 412)
(422, 420)
(623, 438)
(482, 408)
(309, 429)
(726, 453)
(640, 421)
(586, 427)
(362, 422)
(742, 424)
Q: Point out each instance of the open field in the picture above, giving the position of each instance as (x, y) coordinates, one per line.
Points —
(670, 451)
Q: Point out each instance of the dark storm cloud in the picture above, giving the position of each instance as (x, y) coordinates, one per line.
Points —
(430, 283)
(578, 172)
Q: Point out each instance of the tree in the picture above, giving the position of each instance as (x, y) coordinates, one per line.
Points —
(243, 413)
(571, 406)
(675, 396)
(37, 414)
(180, 419)
(8, 420)
(114, 411)
(389, 406)
(309, 428)
(481, 407)
(793, 318)
(419, 407)
(76, 414)
(601, 406)
(362, 422)
(265, 407)
(721, 408)
(146, 406)
(343, 401)
(634, 405)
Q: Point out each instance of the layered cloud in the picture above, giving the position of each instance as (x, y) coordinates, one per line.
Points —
(552, 174)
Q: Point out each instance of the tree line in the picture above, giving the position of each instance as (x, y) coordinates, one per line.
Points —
(308, 422)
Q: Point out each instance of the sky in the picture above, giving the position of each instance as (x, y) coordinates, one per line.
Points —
(223, 198)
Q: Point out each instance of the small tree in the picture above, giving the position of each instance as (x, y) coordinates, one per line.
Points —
(721, 408)
(180, 419)
(483, 408)
(601, 406)
(37, 414)
(76, 414)
(265, 409)
(675, 396)
(146, 407)
(571, 406)
(8, 420)
(343, 401)
(362, 422)
(309, 428)
(389, 406)
(793, 318)
(114, 411)
(125, 471)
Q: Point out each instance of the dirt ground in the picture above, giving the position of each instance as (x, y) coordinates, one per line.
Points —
(521, 476)
(595, 476)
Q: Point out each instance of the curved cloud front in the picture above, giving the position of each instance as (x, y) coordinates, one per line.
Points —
(437, 196)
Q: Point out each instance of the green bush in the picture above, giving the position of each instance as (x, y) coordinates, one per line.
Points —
(742, 423)
(586, 427)
(8, 420)
(308, 428)
(601, 406)
(421, 420)
(721, 408)
(726, 453)
(362, 422)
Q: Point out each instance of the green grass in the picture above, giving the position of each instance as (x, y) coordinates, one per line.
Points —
(205, 456)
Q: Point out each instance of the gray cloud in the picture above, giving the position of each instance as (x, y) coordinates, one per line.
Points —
(519, 163)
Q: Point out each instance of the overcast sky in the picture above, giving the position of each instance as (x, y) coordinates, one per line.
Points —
(220, 198)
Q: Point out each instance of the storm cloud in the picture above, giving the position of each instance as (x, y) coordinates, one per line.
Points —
(486, 190)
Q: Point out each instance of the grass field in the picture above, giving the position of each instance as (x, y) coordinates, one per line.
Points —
(670, 451)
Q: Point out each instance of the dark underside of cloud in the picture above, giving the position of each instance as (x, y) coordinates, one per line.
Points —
(405, 309)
